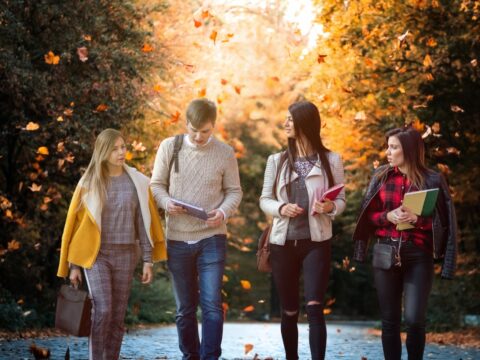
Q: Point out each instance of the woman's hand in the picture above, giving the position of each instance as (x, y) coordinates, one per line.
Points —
(173, 209)
(147, 275)
(401, 214)
(291, 210)
(323, 207)
(75, 277)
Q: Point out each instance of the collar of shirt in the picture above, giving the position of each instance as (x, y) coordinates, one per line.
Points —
(186, 138)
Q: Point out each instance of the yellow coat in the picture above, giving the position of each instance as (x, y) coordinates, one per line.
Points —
(81, 235)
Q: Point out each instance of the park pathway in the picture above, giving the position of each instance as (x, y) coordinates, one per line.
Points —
(345, 341)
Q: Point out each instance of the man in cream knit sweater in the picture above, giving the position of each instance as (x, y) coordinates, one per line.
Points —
(207, 177)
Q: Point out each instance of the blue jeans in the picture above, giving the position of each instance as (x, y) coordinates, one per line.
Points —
(197, 273)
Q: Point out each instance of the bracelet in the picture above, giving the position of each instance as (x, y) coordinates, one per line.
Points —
(149, 264)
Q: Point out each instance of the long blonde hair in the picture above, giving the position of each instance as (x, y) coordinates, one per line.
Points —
(96, 177)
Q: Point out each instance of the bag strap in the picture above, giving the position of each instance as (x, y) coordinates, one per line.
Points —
(177, 146)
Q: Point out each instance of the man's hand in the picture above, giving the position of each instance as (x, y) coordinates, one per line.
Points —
(147, 275)
(291, 210)
(75, 277)
(215, 218)
(323, 207)
(173, 209)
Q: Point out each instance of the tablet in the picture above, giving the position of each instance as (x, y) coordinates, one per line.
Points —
(192, 210)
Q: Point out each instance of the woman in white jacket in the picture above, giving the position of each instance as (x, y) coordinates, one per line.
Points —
(302, 225)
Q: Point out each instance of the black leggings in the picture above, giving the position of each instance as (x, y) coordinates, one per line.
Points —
(414, 279)
(287, 263)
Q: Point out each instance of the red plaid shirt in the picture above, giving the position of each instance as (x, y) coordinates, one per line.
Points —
(390, 197)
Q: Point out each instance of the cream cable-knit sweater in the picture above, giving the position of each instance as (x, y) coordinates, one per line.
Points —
(208, 177)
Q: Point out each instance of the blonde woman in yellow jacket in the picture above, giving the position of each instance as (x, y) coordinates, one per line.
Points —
(111, 215)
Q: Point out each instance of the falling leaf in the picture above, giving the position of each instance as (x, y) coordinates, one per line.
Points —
(238, 89)
(402, 37)
(223, 82)
(175, 117)
(248, 348)
(9, 214)
(248, 240)
(225, 278)
(44, 207)
(13, 245)
(51, 58)
(474, 62)
(60, 146)
(128, 156)
(70, 158)
(101, 108)
(249, 308)
(431, 42)
(68, 112)
(60, 118)
(401, 89)
(43, 150)
(427, 61)
(456, 108)
(444, 168)
(82, 53)
(138, 146)
(197, 23)
(436, 127)
(429, 77)
(453, 150)
(321, 58)
(327, 311)
(39, 352)
(202, 92)
(246, 285)
(157, 88)
(230, 35)
(205, 14)
(35, 187)
(213, 36)
(146, 48)
(330, 302)
(87, 38)
(47, 199)
(31, 126)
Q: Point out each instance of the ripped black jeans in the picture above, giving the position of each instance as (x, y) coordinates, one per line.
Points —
(413, 282)
(287, 263)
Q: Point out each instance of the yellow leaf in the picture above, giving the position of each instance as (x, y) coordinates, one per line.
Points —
(248, 348)
(213, 36)
(42, 150)
(8, 214)
(35, 187)
(60, 118)
(13, 245)
(225, 278)
(158, 88)
(87, 38)
(51, 58)
(31, 126)
(128, 156)
(246, 285)
(401, 89)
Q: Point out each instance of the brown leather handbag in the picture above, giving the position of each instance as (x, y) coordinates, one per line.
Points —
(263, 252)
(74, 311)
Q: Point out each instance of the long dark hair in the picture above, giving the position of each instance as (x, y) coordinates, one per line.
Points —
(306, 121)
(413, 149)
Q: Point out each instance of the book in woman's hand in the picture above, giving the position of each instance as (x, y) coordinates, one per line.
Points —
(421, 203)
(330, 194)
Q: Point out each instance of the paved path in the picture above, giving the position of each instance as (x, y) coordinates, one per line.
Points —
(345, 341)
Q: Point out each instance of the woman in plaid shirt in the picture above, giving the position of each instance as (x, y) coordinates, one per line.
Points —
(431, 237)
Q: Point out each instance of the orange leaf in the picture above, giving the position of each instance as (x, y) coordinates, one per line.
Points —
(146, 48)
(223, 82)
(427, 61)
(35, 187)
(158, 88)
(128, 156)
(431, 42)
(9, 214)
(101, 108)
(197, 23)
(225, 278)
(174, 118)
(31, 126)
(87, 38)
(248, 348)
(238, 89)
(51, 58)
(60, 118)
(202, 92)
(249, 308)
(205, 14)
(230, 35)
(246, 285)
(213, 36)
(13, 245)
(330, 302)
(248, 240)
(44, 207)
(82, 53)
(456, 108)
(321, 58)
(68, 112)
(69, 158)
(42, 150)
(327, 311)
(47, 199)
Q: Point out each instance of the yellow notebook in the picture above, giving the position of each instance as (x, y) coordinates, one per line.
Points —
(422, 203)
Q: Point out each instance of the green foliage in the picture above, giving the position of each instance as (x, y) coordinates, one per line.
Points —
(67, 101)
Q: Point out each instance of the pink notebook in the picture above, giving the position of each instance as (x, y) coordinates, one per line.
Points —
(330, 194)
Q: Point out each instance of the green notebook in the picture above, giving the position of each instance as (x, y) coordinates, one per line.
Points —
(422, 203)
